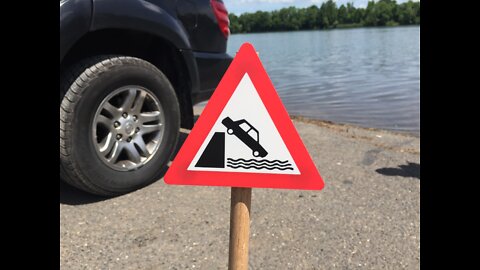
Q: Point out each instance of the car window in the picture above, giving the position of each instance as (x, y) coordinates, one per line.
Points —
(253, 133)
(245, 126)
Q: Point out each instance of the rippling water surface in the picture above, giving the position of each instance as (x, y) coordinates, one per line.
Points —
(364, 76)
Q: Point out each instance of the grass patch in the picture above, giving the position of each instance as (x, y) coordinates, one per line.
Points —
(349, 25)
(392, 23)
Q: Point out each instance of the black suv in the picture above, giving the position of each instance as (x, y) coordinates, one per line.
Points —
(130, 73)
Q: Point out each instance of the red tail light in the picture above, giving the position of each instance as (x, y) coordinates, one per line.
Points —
(221, 14)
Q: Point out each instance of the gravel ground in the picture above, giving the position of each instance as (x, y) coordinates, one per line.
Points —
(367, 216)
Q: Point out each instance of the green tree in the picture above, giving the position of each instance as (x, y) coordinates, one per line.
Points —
(261, 21)
(408, 12)
(350, 17)
(328, 14)
(290, 20)
(370, 17)
(311, 17)
(417, 13)
(383, 12)
(342, 14)
(359, 15)
(235, 26)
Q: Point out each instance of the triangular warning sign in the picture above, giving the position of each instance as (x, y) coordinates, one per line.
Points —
(245, 137)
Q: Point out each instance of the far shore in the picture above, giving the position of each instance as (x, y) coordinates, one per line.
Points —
(342, 127)
(339, 27)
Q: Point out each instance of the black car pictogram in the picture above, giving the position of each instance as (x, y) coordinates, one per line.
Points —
(243, 130)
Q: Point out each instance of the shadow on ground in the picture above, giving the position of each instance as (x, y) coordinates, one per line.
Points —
(73, 196)
(409, 170)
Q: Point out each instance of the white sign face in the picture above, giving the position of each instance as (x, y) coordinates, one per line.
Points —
(244, 138)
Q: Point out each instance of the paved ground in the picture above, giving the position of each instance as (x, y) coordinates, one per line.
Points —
(368, 215)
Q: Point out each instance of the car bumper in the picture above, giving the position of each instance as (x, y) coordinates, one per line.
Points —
(211, 67)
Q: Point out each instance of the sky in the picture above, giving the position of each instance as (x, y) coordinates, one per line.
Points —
(240, 6)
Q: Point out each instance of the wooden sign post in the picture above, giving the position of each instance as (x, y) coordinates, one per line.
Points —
(239, 228)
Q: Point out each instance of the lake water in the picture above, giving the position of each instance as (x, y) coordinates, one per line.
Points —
(364, 76)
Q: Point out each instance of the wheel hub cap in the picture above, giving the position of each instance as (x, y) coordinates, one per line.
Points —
(128, 128)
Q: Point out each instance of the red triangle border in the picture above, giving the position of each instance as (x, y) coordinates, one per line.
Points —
(246, 61)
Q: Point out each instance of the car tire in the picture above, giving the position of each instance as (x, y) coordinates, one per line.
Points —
(145, 109)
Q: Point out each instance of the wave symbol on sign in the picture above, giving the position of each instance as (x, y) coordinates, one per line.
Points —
(259, 164)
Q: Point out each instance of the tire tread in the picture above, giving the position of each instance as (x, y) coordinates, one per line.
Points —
(73, 82)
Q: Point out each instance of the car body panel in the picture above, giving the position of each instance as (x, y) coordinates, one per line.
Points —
(189, 25)
(154, 17)
(75, 19)
(234, 128)
(211, 67)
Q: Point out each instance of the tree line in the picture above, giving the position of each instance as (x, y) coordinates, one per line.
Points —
(327, 16)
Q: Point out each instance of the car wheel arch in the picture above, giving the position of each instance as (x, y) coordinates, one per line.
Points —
(154, 49)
